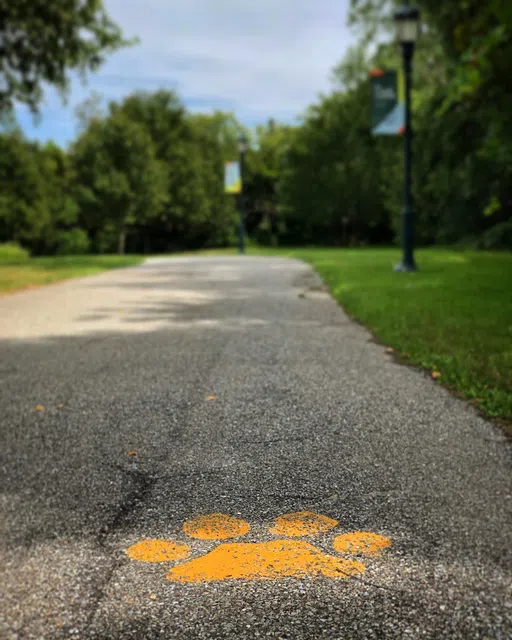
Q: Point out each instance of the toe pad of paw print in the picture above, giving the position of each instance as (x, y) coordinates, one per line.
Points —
(269, 560)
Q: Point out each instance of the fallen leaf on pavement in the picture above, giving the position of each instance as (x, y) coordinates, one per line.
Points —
(40, 408)
(132, 453)
(390, 350)
(436, 375)
(211, 398)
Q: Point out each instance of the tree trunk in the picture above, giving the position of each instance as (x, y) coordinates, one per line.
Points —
(122, 242)
(147, 245)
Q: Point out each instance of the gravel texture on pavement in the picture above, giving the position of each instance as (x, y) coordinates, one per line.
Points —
(136, 400)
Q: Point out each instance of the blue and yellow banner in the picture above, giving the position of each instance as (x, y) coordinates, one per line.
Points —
(232, 178)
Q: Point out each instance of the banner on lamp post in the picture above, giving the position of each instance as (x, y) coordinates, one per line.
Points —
(232, 178)
(388, 103)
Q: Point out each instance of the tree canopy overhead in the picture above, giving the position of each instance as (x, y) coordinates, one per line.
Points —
(42, 40)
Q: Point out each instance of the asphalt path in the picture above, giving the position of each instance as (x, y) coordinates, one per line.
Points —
(142, 399)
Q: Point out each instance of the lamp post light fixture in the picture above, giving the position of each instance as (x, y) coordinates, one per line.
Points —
(243, 146)
(407, 23)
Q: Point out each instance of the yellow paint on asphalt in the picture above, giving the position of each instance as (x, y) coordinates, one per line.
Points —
(302, 523)
(361, 542)
(267, 560)
(264, 561)
(158, 551)
(216, 526)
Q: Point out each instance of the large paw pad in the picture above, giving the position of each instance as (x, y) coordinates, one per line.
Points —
(267, 560)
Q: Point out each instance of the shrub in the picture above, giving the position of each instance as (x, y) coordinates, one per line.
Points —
(73, 242)
(12, 252)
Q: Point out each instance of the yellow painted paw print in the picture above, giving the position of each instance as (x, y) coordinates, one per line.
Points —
(280, 558)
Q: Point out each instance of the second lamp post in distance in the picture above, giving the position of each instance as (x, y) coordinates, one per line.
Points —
(243, 145)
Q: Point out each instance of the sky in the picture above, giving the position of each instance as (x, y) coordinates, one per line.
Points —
(257, 58)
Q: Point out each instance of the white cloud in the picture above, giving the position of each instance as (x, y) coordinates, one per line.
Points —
(259, 58)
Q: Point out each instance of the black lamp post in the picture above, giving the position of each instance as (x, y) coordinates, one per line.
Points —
(407, 22)
(243, 146)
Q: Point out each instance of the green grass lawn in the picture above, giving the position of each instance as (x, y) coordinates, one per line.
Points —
(453, 317)
(17, 271)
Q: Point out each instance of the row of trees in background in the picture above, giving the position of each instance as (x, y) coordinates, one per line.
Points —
(144, 175)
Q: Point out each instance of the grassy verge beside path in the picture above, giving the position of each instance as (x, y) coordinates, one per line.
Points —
(20, 272)
(453, 317)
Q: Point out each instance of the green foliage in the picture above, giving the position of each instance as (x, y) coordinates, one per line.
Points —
(36, 199)
(24, 215)
(106, 239)
(331, 189)
(10, 252)
(263, 171)
(121, 182)
(191, 150)
(72, 242)
(42, 40)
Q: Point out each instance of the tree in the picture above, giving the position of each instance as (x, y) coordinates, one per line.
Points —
(212, 138)
(331, 190)
(24, 213)
(192, 148)
(37, 205)
(120, 182)
(57, 174)
(42, 40)
(263, 172)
